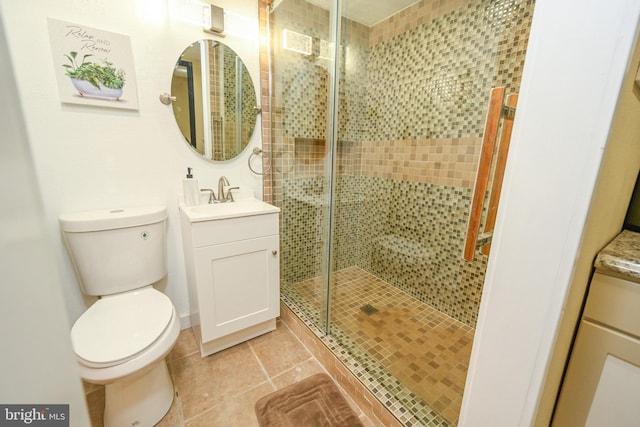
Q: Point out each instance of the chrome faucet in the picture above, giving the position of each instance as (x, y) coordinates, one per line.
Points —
(222, 198)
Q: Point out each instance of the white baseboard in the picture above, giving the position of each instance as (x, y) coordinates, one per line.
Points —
(185, 321)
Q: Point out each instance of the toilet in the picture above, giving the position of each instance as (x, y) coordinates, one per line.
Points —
(122, 340)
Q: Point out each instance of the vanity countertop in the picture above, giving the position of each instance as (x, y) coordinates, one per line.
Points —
(621, 257)
(237, 209)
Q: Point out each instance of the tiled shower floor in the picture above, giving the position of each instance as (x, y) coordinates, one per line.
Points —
(413, 350)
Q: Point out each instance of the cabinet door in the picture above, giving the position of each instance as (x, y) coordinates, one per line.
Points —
(238, 285)
(602, 383)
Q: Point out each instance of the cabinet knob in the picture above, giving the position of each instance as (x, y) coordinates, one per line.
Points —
(274, 252)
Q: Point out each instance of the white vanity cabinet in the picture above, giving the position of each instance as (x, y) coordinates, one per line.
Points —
(232, 263)
(602, 382)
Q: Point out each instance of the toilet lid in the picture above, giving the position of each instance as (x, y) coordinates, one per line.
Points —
(119, 326)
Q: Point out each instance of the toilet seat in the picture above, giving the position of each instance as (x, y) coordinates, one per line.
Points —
(116, 328)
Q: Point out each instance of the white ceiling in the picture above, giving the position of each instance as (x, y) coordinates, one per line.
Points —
(368, 12)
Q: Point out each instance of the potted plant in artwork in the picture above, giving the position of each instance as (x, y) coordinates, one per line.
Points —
(93, 79)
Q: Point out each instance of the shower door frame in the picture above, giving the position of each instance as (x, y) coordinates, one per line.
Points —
(335, 16)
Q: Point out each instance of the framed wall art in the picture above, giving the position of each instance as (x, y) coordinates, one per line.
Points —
(93, 66)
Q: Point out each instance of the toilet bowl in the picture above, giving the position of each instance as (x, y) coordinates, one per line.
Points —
(110, 347)
(122, 340)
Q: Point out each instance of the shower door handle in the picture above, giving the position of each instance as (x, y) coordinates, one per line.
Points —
(501, 161)
(497, 111)
(484, 168)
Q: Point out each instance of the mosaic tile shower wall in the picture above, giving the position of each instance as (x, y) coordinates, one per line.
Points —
(412, 99)
(410, 234)
(433, 80)
(300, 85)
(413, 94)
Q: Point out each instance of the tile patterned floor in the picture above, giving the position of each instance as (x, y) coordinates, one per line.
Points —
(221, 389)
(426, 350)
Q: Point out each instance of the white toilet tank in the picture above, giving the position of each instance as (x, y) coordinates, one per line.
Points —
(117, 250)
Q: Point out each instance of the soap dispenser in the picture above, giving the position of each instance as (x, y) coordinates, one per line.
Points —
(190, 190)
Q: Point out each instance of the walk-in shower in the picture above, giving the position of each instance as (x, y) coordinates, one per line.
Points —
(377, 123)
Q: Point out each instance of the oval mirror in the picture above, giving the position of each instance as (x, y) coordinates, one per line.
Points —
(215, 100)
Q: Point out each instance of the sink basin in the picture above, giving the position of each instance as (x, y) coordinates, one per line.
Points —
(240, 208)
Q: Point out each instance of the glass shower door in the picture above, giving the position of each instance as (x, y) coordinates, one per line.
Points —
(412, 93)
(376, 140)
(302, 40)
